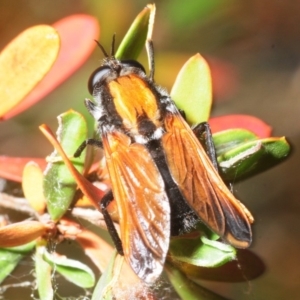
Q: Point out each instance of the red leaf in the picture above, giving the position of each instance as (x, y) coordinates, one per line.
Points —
(12, 167)
(253, 124)
(77, 34)
(225, 78)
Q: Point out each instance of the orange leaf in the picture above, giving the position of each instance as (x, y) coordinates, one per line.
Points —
(128, 285)
(11, 168)
(93, 193)
(253, 124)
(77, 33)
(24, 62)
(100, 252)
(18, 234)
(97, 249)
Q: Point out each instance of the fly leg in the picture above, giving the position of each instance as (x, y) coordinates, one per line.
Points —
(91, 142)
(105, 201)
(203, 134)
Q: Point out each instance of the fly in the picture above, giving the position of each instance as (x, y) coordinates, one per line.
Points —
(162, 178)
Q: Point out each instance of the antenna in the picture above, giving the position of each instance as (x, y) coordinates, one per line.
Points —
(102, 49)
(112, 50)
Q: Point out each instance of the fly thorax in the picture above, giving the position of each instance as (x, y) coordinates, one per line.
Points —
(135, 105)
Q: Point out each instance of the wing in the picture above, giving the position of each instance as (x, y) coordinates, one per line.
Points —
(202, 186)
(143, 205)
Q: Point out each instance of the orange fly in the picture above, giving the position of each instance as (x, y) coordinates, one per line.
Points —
(162, 179)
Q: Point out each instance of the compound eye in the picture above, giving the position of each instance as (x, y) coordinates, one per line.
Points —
(133, 64)
(97, 76)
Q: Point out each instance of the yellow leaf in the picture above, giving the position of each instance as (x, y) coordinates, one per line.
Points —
(32, 185)
(24, 62)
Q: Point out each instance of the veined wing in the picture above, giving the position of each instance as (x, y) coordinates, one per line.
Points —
(202, 186)
(144, 209)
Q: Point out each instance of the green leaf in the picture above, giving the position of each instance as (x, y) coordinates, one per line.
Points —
(135, 38)
(200, 251)
(187, 289)
(43, 272)
(252, 158)
(231, 138)
(23, 249)
(102, 290)
(196, 12)
(9, 260)
(245, 267)
(59, 185)
(192, 90)
(73, 270)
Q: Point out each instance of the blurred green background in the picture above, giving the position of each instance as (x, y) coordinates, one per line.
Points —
(253, 47)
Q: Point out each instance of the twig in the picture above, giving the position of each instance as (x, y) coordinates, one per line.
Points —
(93, 216)
(15, 203)
(24, 284)
(21, 204)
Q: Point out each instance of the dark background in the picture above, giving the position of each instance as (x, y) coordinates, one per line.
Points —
(254, 49)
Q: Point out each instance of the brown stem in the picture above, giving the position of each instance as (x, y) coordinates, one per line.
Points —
(15, 203)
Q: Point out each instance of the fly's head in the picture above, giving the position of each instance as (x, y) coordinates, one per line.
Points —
(111, 69)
